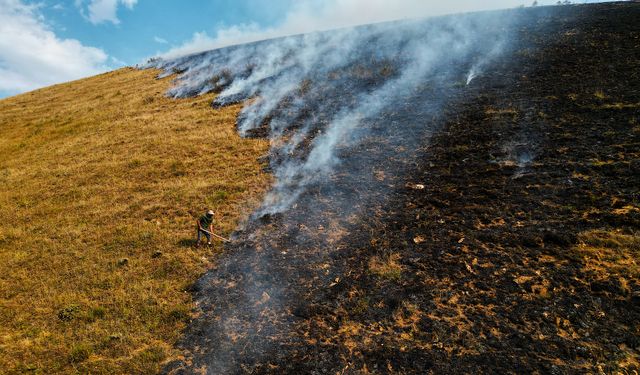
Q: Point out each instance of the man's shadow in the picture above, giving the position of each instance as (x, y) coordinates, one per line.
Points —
(187, 242)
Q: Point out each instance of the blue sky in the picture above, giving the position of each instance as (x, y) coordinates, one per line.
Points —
(43, 42)
(150, 27)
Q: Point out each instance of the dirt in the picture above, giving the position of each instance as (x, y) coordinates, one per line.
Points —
(468, 260)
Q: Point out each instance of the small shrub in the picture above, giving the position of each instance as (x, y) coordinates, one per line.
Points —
(96, 313)
(68, 313)
(80, 353)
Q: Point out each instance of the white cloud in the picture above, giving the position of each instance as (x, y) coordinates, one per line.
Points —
(32, 56)
(315, 15)
(157, 39)
(129, 3)
(104, 10)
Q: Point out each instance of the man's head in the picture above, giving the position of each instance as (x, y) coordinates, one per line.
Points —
(210, 213)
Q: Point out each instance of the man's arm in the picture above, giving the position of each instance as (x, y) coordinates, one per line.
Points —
(211, 227)
(199, 225)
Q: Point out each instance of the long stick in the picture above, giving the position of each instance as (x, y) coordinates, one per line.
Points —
(213, 234)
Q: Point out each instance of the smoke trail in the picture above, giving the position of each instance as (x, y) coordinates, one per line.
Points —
(276, 71)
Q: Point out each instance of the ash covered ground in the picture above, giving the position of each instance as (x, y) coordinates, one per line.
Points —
(439, 184)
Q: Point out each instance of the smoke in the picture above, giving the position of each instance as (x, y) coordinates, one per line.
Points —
(312, 15)
(373, 65)
(342, 109)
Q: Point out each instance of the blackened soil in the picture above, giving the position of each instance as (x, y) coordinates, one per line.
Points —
(506, 242)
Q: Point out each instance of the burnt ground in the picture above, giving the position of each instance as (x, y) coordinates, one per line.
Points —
(503, 241)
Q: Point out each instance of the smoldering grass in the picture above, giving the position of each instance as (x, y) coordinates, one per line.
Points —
(398, 55)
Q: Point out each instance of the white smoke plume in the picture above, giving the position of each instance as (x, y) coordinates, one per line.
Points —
(307, 16)
(400, 57)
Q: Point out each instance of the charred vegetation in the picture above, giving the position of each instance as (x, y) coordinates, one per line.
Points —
(480, 223)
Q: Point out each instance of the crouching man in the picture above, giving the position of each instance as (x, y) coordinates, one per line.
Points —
(205, 227)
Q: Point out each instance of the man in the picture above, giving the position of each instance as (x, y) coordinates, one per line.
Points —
(205, 226)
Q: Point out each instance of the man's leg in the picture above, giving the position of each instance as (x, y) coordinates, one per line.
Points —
(198, 238)
(208, 238)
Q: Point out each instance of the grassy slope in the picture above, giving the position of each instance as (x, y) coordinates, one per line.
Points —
(93, 172)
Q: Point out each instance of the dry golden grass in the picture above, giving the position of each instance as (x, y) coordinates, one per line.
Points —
(611, 254)
(97, 178)
(611, 258)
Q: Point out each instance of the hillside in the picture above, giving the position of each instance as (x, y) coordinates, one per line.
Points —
(101, 181)
(450, 195)
(455, 195)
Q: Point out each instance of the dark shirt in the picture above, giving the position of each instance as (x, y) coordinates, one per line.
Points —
(205, 221)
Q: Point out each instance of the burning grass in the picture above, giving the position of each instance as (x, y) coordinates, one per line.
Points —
(100, 182)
